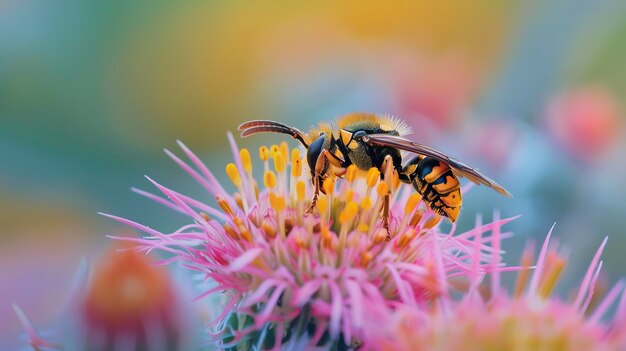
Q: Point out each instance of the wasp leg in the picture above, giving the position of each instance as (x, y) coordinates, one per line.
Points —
(386, 217)
(341, 172)
(387, 170)
(334, 159)
(315, 196)
(321, 167)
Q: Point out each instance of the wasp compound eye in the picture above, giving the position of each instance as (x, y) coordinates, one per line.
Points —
(314, 151)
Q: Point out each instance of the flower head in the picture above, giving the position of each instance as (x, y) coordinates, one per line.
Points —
(530, 318)
(130, 299)
(123, 303)
(293, 275)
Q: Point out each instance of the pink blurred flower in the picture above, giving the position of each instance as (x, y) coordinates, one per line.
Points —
(530, 318)
(131, 301)
(314, 280)
(585, 121)
(124, 303)
(435, 90)
(493, 141)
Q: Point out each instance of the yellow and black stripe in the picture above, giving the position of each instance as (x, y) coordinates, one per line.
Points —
(439, 187)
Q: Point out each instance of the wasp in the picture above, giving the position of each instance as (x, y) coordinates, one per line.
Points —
(367, 140)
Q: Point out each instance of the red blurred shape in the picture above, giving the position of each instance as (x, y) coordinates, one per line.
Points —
(584, 121)
(437, 89)
(130, 301)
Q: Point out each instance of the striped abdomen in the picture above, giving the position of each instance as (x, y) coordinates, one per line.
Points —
(439, 187)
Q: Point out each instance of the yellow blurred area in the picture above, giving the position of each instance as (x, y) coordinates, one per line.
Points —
(188, 66)
(33, 222)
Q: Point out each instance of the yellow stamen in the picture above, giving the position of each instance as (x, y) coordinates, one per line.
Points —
(348, 213)
(277, 202)
(549, 281)
(233, 174)
(366, 203)
(406, 238)
(524, 274)
(372, 177)
(329, 186)
(284, 150)
(296, 168)
(380, 236)
(231, 232)
(363, 228)
(274, 149)
(322, 204)
(243, 231)
(296, 163)
(382, 189)
(269, 179)
(351, 172)
(301, 242)
(295, 155)
(300, 190)
(417, 216)
(349, 195)
(246, 161)
(279, 162)
(205, 216)
(268, 230)
(366, 258)
(238, 200)
(411, 203)
(264, 153)
(432, 221)
(327, 237)
(224, 206)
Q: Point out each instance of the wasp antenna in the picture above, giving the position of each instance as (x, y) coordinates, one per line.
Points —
(263, 129)
(262, 126)
(262, 122)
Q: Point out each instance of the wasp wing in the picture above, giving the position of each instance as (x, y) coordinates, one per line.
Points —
(458, 167)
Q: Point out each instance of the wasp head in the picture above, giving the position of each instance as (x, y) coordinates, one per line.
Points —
(317, 163)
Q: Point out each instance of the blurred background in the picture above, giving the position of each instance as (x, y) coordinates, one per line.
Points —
(531, 92)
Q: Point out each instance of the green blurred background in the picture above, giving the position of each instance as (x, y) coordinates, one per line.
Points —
(531, 92)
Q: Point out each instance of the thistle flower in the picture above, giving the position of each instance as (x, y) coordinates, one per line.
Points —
(299, 279)
(130, 304)
(530, 318)
(123, 303)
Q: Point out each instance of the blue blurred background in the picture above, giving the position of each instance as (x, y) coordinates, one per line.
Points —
(531, 92)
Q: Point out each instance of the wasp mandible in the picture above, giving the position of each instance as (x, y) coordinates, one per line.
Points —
(367, 140)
